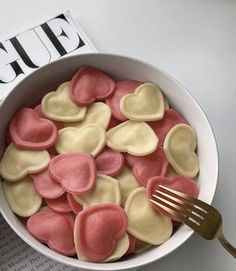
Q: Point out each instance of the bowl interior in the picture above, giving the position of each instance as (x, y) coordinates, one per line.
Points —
(30, 91)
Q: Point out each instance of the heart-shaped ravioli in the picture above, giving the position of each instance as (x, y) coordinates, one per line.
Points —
(148, 166)
(90, 138)
(54, 229)
(46, 186)
(89, 85)
(120, 249)
(179, 183)
(163, 126)
(134, 137)
(122, 88)
(59, 204)
(76, 172)
(109, 162)
(97, 230)
(22, 197)
(29, 131)
(57, 105)
(17, 163)
(127, 183)
(106, 190)
(179, 146)
(145, 104)
(98, 113)
(144, 222)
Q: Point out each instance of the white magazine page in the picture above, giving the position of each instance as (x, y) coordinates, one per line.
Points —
(19, 56)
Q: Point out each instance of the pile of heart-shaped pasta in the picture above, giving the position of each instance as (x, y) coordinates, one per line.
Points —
(82, 165)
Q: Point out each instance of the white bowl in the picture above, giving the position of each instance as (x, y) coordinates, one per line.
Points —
(31, 89)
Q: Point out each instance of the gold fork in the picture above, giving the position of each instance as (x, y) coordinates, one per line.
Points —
(198, 215)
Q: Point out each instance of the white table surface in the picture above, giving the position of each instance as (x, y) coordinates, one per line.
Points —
(193, 40)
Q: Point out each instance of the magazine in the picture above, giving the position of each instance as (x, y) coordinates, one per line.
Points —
(20, 55)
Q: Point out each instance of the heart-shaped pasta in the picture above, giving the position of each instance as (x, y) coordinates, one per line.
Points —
(53, 228)
(134, 137)
(98, 113)
(106, 190)
(122, 245)
(144, 222)
(90, 138)
(29, 131)
(109, 162)
(179, 146)
(22, 197)
(57, 105)
(127, 183)
(97, 230)
(145, 104)
(89, 85)
(17, 163)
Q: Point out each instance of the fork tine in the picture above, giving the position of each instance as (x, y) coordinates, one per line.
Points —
(183, 203)
(182, 211)
(199, 204)
(179, 207)
(181, 218)
(168, 210)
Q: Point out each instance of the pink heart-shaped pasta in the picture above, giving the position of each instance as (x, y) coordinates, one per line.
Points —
(59, 204)
(148, 166)
(29, 131)
(97, 229)
(46, 186)
(76, 172)
(89, 85)
(54, 229)
(163, 126)
(109, 162)
(74, 205)
(179, 183)
(38, 109)
(121, 88)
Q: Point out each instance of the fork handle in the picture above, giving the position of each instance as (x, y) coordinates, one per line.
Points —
(226, 244)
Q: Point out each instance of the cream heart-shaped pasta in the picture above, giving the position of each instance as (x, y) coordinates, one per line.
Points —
(17, 163)
(179, 146)
(121, 247)
(22, 197)
(127, 183)
(98, 113)
(107, 190)
(90, 139)
(57, 105)
(144, 222)
(134, 137)
(145, 104)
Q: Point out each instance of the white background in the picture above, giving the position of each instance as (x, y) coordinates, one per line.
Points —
(193, 40)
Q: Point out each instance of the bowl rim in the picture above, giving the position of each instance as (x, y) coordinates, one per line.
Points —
(111, 266)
